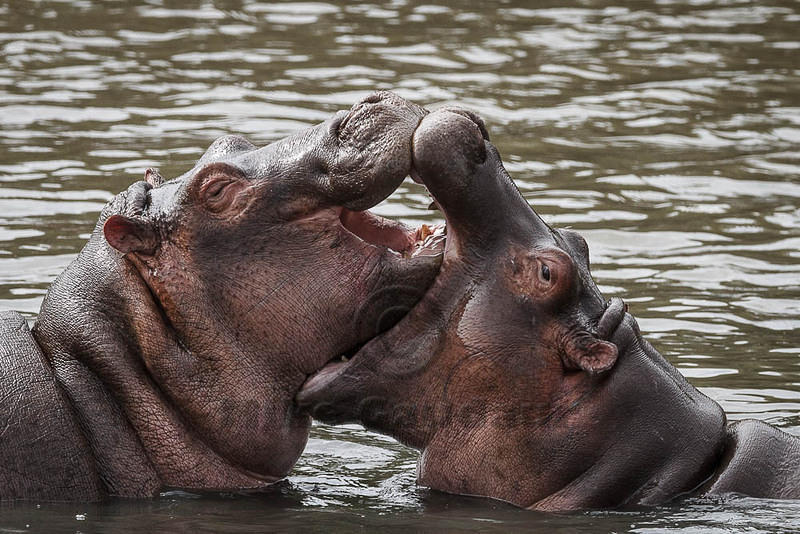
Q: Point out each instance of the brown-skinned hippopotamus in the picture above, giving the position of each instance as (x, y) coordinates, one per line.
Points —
(517, 380)
(169, 353)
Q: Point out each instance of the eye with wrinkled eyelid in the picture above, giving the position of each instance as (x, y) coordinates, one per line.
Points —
(217, 193)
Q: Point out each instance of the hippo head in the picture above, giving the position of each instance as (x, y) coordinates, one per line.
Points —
(254, 269)
(512, 373)
(507, 280)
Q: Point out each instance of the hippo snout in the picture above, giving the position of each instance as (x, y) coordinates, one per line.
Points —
(453, 158)
(371, 152)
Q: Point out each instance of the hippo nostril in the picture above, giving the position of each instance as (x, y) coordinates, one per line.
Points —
(336, 123)
(374, 98)
(342, 124)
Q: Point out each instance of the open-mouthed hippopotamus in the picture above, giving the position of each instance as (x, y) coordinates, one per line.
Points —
(518, 381)
(169, 353)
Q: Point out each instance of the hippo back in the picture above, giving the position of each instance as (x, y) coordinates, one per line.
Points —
(759, 461)
(43, 454)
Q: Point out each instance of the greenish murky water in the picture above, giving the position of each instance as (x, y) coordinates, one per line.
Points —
(666, 131)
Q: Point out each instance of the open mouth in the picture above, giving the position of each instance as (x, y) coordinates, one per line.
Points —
(397, 237)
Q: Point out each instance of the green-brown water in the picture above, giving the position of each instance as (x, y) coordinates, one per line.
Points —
(666, 131)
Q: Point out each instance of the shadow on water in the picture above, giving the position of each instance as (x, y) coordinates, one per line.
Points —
(666, 132)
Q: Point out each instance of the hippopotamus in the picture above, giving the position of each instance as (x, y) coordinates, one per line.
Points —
(169, 352)
(518, 380)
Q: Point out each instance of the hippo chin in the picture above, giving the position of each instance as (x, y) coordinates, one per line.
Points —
(518, 381)
(169, 353)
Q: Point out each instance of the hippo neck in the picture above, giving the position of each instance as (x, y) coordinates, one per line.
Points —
(96, 325)
(659, 437)
(641, 435)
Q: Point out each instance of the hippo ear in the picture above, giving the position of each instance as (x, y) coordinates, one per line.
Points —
(589, 354)
(128, 234)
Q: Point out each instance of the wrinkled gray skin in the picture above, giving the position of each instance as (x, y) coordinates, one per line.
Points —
(518, 381)
(168, 354)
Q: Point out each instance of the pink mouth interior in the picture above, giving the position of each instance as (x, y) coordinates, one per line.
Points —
(391, 234)
(377, 230)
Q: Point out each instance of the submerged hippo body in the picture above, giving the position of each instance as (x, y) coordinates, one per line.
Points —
(517, 380)
(168, 354)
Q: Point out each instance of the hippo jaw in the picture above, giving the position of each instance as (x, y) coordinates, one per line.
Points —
(424, 243)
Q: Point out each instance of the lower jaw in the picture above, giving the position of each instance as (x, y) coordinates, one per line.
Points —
(426, 241)
(431, 243)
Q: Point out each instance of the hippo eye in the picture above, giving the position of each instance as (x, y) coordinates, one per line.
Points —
(215, 189)
(218, 194)
(545, 272)
(220, 188)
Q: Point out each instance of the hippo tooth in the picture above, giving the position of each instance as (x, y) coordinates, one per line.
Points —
(423, 232)
(430, 243)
